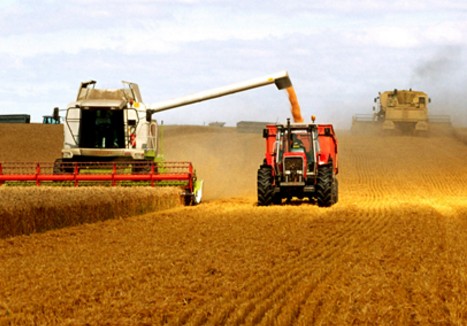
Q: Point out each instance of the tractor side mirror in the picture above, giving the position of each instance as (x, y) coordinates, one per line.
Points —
(265, 133)
(327, 131)
(132, 122)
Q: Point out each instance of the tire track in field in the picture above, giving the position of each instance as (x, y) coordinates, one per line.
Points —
(245, 304)
(398, 279)
(308, 305)
(304, 281)
(264, 302)
(313, 305)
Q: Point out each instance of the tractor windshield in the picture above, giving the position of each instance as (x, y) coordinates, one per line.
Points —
(299, 141)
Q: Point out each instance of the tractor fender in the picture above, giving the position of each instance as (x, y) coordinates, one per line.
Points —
(324, 158)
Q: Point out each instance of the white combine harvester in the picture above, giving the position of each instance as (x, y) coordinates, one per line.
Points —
(110, 135)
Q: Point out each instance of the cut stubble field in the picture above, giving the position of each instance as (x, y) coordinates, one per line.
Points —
(392, 251)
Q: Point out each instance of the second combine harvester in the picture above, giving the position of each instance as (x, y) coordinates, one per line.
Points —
(405, 111)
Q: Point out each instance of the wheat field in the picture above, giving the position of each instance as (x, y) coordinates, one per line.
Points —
(393, 251)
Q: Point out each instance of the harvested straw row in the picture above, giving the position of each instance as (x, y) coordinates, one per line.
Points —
(38, 209)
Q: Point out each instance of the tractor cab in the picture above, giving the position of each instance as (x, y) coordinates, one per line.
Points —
(297, 145)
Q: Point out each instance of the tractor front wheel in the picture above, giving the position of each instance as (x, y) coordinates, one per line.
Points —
(265, 187)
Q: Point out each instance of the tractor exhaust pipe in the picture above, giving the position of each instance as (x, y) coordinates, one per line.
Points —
(289, 133)
(281, 80)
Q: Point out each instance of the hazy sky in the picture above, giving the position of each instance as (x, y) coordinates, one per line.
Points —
(339, 54)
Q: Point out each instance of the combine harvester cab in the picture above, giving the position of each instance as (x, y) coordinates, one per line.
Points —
(109, 125)
(405, 111)
(111, 138)
(301, 162)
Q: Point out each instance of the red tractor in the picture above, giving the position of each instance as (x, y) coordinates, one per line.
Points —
(301, 161)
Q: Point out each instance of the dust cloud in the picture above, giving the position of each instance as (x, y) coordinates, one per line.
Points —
(225, 159)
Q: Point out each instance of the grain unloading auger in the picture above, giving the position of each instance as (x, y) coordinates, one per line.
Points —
(110, 137)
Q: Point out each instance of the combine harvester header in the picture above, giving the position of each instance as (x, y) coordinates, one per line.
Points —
(111, 138)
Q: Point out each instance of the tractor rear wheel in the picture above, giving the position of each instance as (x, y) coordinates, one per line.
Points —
(324, 185)
(265, 188)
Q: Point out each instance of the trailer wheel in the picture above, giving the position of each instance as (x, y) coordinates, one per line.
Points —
(324, 186)
(265, 188)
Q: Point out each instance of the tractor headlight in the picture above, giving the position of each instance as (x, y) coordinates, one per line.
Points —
(66, 154)
(287, 172)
